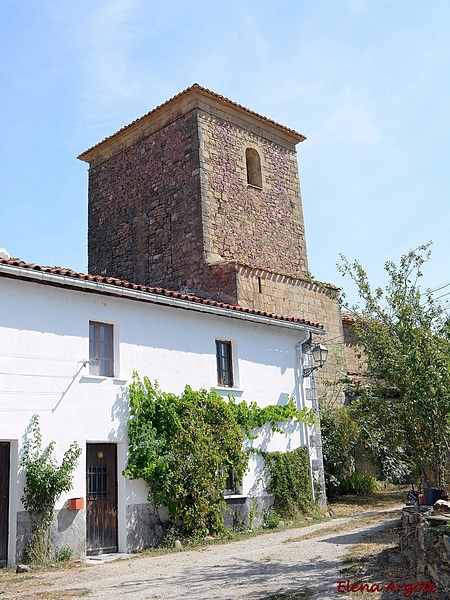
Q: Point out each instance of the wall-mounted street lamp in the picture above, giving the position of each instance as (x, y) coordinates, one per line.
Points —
(320, 353)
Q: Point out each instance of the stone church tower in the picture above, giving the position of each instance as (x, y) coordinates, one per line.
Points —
(202, 195)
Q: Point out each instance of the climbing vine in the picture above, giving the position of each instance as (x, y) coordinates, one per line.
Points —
(184, 447)
(45, 481)
(251, 416)
(289, 481)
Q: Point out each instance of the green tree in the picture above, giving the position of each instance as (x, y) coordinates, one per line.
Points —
(405, 399)
(340, 435)
(45, 481)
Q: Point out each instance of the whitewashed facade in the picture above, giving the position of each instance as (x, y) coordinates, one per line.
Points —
(44, 332)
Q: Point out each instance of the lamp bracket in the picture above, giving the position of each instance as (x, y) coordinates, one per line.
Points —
(307, 371)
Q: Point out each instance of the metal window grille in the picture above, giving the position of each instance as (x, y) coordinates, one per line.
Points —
(97, 483)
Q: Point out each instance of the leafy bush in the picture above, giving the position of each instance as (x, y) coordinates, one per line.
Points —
(353, 431)
(271, 519)
(63, 554)
(339, 438)
(183, 447)
(404, 332)
(251, 416)
(359, 484)
(383, 450)
(45, 481)
(172, 533)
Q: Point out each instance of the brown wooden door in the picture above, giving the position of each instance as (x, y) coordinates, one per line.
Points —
(101, 498)
(4, 501)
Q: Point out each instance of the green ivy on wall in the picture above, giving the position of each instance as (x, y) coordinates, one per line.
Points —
(289, 481)
(251, 416)
(184, 446)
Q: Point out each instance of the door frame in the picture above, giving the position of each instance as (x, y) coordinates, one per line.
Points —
(115, 530)
(5, 456)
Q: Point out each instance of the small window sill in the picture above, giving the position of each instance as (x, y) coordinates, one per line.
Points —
(224, 388)
(234, 496)
(99, 378)
(253, 186)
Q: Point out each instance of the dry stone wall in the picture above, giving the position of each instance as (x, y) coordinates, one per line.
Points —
(425, 544)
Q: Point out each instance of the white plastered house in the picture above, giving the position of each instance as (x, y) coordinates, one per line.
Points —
(52, 324)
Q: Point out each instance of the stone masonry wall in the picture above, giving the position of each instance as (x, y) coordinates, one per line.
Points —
(260, 227)
(355, 364)
(282, 294)
(314, 302)
(145, 221)
(177, 200)
(68, 529)
(425, 544)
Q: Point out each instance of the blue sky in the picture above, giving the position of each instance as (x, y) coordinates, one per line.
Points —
(367, 81)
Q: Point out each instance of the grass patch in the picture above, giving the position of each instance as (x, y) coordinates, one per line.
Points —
(14, 591)
(390, 496)
(340, 527)
(232, 536)
(26, 585)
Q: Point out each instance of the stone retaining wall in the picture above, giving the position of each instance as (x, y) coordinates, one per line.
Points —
(424, 543)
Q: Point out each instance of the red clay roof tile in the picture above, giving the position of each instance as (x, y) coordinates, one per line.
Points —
(16, 262)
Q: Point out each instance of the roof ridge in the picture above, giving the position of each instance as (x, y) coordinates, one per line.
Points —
(195, 86)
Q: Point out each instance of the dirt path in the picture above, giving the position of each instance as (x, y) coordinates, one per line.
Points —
(285, 561)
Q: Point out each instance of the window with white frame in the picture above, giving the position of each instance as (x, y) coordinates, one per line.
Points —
(101, 349)
(224, 363)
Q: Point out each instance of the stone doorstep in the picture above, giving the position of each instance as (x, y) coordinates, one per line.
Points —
(98, 559)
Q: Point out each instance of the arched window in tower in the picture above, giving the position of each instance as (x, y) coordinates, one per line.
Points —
(254, 176)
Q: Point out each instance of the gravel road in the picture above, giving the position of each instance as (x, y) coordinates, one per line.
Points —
(251, 570)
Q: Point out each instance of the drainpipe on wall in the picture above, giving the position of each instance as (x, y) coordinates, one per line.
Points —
(302, 400)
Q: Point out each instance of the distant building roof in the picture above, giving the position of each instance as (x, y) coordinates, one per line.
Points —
(348, 318)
